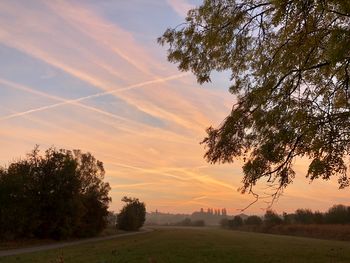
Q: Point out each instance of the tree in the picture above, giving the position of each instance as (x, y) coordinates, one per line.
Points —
(304, 216)
(132, 216)
(289, 65)
(272, 219)
(253, 221)
(236, 222)
(56, 195)
(338, 214)
(95, 199)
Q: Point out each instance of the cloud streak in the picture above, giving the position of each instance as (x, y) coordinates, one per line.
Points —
(141, 117)
(78, 100)
(181, 7)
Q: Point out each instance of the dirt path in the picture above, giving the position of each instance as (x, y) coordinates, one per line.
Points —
(18, 251)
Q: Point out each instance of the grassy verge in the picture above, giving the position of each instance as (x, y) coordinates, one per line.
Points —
(202, 245)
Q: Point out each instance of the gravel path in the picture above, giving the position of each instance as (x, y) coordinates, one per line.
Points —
(18, 251)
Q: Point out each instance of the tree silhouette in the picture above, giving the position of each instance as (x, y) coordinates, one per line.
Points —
(289, 65)
(132, 216)
(56, 195)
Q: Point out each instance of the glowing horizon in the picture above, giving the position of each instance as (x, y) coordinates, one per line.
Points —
(89, 75)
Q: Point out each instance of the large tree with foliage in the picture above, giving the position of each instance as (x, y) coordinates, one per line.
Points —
(57, 195)
(289, 65)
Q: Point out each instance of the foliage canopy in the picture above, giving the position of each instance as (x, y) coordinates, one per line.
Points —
(132, 216)
(289, 65)
(57, 195)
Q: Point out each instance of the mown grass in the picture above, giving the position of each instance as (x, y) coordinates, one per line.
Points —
(202, 245)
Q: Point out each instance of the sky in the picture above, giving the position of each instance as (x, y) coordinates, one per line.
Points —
(89, 75)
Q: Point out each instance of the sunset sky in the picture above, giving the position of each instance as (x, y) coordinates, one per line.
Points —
(89, 75)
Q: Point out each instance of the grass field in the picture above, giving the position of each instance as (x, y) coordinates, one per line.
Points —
(202, 245)
(21, 243)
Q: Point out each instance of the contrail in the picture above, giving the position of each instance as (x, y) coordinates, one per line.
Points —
(62, 102)
(78, 100)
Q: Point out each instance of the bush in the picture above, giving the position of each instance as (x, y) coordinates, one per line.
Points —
(132, 216)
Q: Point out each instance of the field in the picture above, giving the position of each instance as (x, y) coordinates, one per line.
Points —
(201, 245)
(21, 243)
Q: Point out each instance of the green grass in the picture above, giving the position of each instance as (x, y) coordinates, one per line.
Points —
(205, 245)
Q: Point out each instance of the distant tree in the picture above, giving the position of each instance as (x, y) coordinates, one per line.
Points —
(253, 221)
(288, 218)
(132, 216)
(338, 214)
(236, 222)
(289, 69)
(319, 217)
(271, 218)
(304, 216)
(56, 195)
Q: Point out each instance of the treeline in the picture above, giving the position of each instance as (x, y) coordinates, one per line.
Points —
(213, 211)
(59, 194)
(337, 214)
(238, 221)
(333, 224)
(209, 217)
